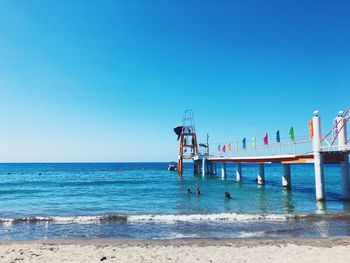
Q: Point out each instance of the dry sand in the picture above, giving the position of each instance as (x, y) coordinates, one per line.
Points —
(290, 250)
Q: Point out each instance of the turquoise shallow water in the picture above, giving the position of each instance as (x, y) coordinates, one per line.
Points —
(145, 201)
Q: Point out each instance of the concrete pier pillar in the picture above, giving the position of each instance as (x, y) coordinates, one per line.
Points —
(211, 168)
(195, 167)
(319, 177)
(342, 143)
(345, 177)
(239, 172)
(204, 167)
(223, 170)
(286, 178)
(318, 158)
(261, 174)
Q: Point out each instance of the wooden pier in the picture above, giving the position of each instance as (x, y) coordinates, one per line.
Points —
(324, 150)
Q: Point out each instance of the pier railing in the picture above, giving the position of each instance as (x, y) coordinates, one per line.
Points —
(298, 146)
(330, 142)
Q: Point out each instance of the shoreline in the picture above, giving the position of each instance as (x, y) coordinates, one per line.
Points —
(182, 250)
(239, 242)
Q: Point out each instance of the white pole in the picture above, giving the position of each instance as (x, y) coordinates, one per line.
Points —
(261, 174)
(223, 170)
(318, 158)
(286, 178)
(342, 142)
(239, 172)
(342, 134)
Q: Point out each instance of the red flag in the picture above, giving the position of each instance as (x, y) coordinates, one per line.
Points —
(224, 149)
(266, 139)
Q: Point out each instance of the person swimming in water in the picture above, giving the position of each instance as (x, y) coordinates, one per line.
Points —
(189, 191)
(198, 191)
(227, 195)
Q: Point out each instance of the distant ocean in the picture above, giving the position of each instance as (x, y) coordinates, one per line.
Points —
(145, 201)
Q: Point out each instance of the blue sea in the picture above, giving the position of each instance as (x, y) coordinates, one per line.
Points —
(146, 201)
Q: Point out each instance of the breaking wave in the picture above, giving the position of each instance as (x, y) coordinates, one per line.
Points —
(222, 217)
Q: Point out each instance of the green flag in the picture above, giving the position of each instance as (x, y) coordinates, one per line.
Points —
(254, 143)
(291, 134)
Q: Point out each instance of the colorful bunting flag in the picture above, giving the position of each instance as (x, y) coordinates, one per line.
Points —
(229, 147)
(219, 147)
(224, 148)
(266, 139)
(278, 139)
(311, 129)
(236, 146)
(254, 143)
(244, 143)
(291, 134)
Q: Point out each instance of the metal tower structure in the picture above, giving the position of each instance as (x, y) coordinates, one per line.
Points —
(188, 141)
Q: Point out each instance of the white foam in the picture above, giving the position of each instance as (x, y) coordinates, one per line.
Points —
(208, 217)
(224, 217)
(174, 235)
(244, 234)
(75, 219)
(53, 219)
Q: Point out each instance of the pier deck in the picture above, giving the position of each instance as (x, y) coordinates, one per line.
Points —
(329, 157)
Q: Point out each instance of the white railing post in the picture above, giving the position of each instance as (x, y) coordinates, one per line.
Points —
(342, 134)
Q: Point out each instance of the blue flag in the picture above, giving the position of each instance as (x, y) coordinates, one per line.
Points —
(219, 148)
(244, 143)
(278, 139)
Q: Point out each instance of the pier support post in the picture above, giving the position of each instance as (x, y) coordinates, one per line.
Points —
(204, 167)
(215, 171)
(286, 178)
(180, 165)
(318, 158)
(342, 142)
(319, 177)
(211, 168)
(261, 174)
(345, 177)
(239, 172)
(195, 167)
(223, 170)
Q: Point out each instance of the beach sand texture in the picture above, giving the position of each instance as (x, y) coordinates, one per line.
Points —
(303, 250)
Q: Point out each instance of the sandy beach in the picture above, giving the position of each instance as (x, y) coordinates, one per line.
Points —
(291, 250)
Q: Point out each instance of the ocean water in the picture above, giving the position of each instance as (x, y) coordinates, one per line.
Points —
(145, 201)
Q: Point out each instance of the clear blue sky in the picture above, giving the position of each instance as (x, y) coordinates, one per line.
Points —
(108, 80)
